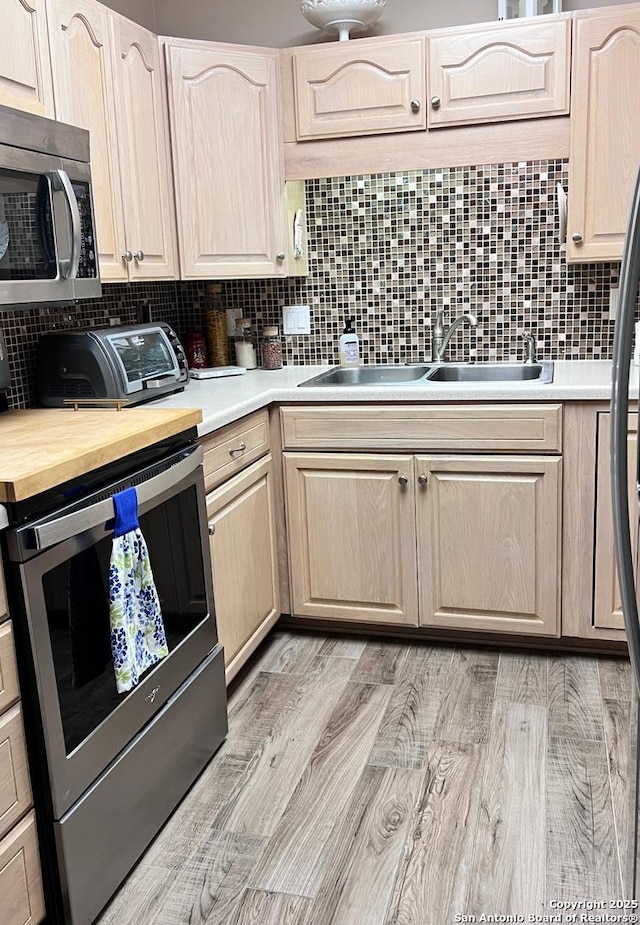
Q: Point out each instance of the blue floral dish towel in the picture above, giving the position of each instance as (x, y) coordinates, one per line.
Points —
(138, 639)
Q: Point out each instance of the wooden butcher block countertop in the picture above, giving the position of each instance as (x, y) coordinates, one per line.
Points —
(45, 447)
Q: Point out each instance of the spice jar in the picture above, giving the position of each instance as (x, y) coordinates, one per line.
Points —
(271, 349)
(216, 325)
(195, 349)
(244, 344)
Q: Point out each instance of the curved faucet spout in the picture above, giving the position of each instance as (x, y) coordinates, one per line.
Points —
(442, 336)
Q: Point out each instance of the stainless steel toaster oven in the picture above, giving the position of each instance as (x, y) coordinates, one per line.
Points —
(130, 362)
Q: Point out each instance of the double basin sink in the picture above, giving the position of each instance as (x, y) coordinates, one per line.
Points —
(393, 374)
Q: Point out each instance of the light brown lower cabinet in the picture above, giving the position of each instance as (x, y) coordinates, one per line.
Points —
(20, 883)
(465, 542)
(244, 558)
(488, 531)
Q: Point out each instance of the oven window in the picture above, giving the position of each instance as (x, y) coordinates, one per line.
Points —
(27, 241)
(76, 598)
(143, 355)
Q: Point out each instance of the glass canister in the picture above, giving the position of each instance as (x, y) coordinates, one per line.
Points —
(216, 325)
(244, 343)
(271, 348)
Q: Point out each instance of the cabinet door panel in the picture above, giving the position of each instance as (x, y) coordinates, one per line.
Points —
(244, 556)
(605, 133)
(498, 72)
(359, 88)
(607, 606)
(15, 789)
(84, 95)
(20, 880)
(488, 543)
(25, 69)
(228, 161)
(351, 537)
(143, 138)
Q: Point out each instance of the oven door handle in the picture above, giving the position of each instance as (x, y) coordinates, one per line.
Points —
(60, 182)
(63, 528)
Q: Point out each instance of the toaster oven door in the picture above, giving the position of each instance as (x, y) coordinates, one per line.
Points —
(47, 250)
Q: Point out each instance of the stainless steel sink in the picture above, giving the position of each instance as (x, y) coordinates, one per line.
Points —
(493, 372)
(394, 374)
(391, 374)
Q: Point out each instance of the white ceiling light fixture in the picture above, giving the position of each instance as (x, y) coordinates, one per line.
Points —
(342, 16)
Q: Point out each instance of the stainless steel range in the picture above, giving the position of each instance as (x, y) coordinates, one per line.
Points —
(107, 767)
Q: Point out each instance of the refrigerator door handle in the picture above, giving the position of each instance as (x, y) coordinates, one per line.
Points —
(622, 349)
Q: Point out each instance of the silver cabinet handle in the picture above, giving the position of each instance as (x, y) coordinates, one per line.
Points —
(212, 528)
(238, 449)
(139, 256)
(128, 256)
(404, 481)
(576, 238)
(415, 105)
(435, 102)
(423, 480)
(280, 257)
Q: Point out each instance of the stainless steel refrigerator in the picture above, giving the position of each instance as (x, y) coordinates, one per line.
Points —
(625, 520)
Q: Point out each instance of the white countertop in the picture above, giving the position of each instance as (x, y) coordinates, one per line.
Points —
(223, 401)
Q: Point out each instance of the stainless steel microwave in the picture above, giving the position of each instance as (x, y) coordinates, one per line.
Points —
(47, 232)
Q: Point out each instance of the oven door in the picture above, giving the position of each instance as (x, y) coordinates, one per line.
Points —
(86, 722)
(47, 241)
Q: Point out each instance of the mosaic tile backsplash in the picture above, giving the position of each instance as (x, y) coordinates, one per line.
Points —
(391, 250)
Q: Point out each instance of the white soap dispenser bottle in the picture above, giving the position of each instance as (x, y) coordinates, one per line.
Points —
(349, 345)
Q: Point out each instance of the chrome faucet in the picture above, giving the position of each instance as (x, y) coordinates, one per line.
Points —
(441, 336)
(530, 348)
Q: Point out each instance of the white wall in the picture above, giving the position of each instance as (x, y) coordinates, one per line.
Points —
(279, 23)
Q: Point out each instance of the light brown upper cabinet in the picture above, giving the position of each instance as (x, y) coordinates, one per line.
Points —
(143, 142)
(81, 57)
(228, 159)
(25, 71)
(362, 87)
(499, 71)
(605, 132)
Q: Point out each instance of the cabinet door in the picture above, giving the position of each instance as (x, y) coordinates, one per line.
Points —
(143, 143)
(359, 88)
(20, 879)
(488, 543)
(228, 160)
(351, 532)
(607, 607)
(25, 70)
(605, 132)
(497, 72)
(244, 557)
(84, 95)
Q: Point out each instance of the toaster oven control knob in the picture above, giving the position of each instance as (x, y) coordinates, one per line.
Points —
(139, 256)
(128, 256)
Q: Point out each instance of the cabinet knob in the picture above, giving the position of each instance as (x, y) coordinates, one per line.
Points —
(139, 256)
(423, 480)
(435, 102)
(404, 481)
(280, 257)
(212, 528)
(576, 238)
(415, 105)
(128, 256)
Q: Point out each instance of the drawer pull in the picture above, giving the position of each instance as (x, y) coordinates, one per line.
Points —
(238, 449)
(404, 481)
(423, 480)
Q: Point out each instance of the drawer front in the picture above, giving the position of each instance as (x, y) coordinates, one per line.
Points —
(20, 882)
(9, 689)
(233, 448)
(512, 428)
(15, 790)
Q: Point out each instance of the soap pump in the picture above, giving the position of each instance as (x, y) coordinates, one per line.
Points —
(349, 345)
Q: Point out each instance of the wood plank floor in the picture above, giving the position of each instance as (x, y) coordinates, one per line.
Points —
(383, 783)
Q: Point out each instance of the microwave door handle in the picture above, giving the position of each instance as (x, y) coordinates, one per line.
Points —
(98, 514)
(60, 181)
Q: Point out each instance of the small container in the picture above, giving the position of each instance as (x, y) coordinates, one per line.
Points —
(195, 349)
(244, 343)
(349, 347)
(216, 325)
(271, 348)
